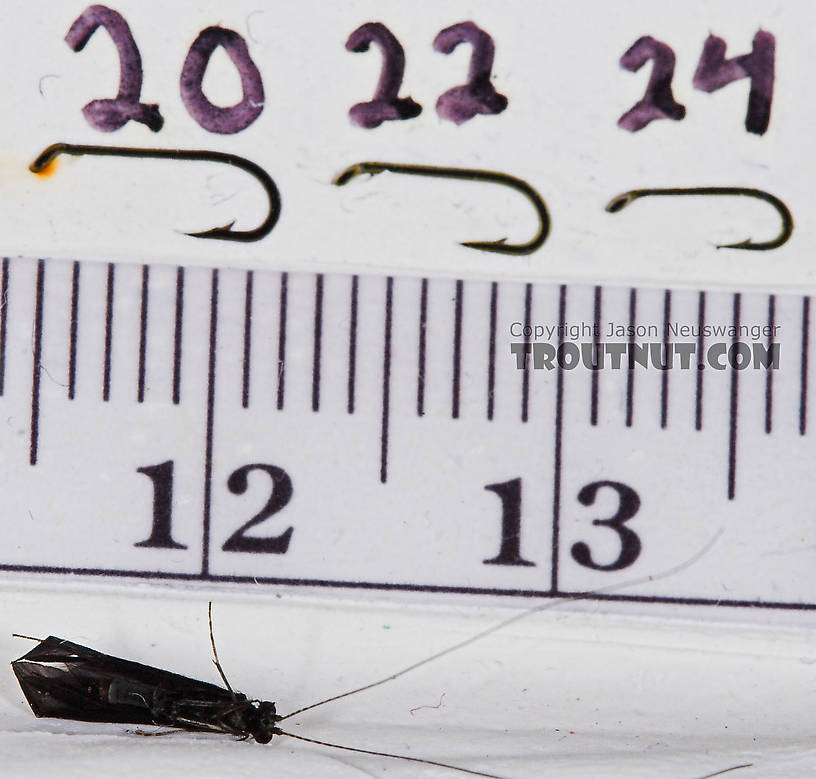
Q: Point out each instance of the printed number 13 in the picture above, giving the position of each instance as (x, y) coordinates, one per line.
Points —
(509, 493)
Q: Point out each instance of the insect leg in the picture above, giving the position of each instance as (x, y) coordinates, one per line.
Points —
(148, 733)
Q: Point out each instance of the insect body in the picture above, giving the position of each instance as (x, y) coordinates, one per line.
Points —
(68, 681)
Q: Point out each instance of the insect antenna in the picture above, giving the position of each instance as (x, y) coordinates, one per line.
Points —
(29, 638)
(516, 618)
(215, 651)
(280, 732)
(727, 770)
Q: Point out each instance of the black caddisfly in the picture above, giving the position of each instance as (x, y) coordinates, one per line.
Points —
(65, 680)
(68, 681)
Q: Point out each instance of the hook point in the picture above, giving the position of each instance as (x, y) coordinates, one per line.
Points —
(214, 232)
(746, 244)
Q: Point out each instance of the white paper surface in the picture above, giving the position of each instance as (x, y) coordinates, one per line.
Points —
(572, 695)
(558, 65)
(578, 696)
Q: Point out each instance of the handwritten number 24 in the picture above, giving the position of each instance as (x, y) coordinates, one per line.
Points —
(714, 72)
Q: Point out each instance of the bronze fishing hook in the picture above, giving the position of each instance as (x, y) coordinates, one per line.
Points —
(620, 202)
(225, 233)
(467, 174)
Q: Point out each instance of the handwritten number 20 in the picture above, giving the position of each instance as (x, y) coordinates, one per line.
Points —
(111, 114)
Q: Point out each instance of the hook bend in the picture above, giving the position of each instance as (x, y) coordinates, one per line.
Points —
(620, 202)
(467, 174)
(224, 233)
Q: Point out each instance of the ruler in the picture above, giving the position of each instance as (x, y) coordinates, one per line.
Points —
(192, 425)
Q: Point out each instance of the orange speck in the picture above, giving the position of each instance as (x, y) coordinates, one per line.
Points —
(49, 170)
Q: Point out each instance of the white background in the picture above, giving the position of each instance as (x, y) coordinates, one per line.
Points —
(557, 64)
(580, 695)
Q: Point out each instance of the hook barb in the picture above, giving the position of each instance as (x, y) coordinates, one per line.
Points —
(620, 202)
(467, 174)
(225, 233)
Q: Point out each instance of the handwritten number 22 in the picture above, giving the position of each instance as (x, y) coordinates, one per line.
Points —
(459, 104)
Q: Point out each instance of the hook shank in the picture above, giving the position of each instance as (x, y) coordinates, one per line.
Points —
(225, 233)
(467, 174)
(620, 202)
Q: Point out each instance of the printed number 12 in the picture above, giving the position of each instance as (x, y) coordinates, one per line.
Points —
(161, 531)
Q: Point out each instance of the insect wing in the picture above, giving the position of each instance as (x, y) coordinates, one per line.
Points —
(68, 681)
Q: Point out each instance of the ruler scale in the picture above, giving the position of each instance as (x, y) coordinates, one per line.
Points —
(804, 369)
(4, 290)
(698, 401)
(379, 432)
(36, 370)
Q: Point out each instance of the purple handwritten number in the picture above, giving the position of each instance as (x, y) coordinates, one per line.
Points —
(111, 114)
(478, 96)
(386, 106)
(658, 101)
(714, 71)
(217, 119)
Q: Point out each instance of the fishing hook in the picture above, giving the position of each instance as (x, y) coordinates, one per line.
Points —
(621, 201)
(468, 174)
(225, 233)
